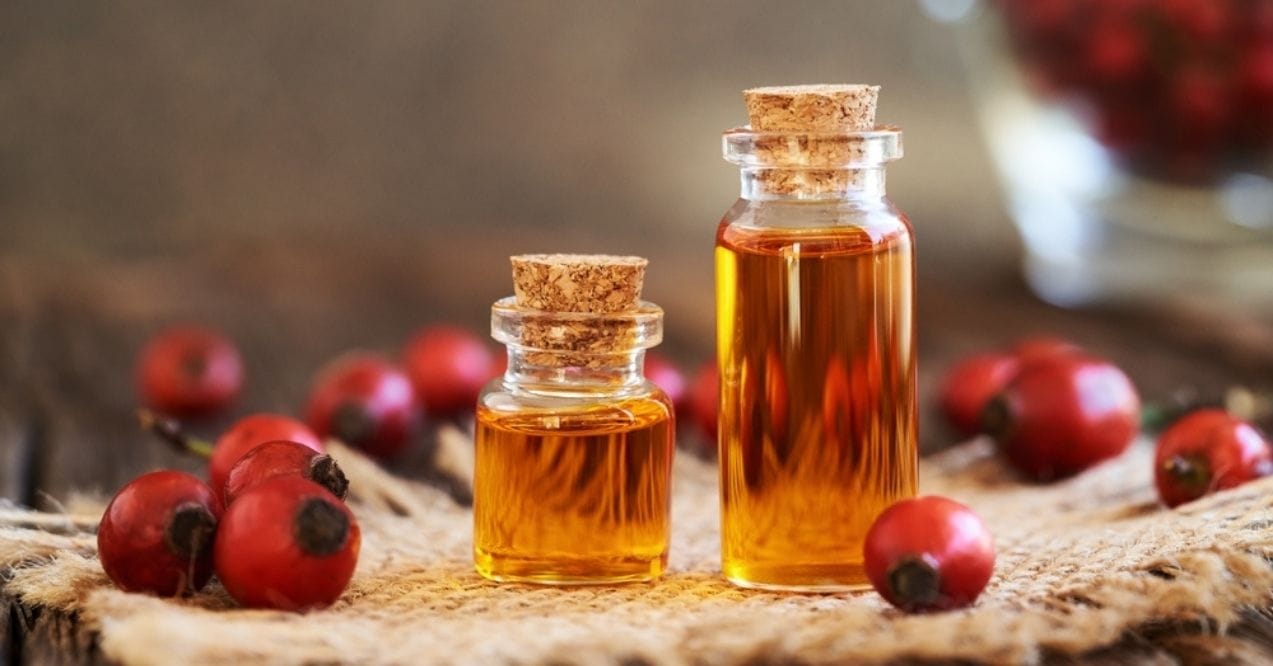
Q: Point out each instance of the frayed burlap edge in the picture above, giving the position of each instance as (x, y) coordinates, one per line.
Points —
(1081, 564)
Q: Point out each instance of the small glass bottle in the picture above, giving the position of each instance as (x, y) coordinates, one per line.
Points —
(815, 340)
(574, 446)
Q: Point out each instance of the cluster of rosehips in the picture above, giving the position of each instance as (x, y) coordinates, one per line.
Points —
(1055, 411)
(1176, 87)
(270, 521)
(362, 399)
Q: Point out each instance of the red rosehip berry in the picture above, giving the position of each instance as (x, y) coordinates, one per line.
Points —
(1206, 451)
(1116, 54)
(188, 371)
(929, 554)
(248, 433)
(1255, 81)
(288, 544)
(666, 376)
(448, 367)
(969, 386)
(1199, 100)
(157, 532)
(283, 458)
(1061, 415)
(366, 402)
(1043, 346)
(704, 403)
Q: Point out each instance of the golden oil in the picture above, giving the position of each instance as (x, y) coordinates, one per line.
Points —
(574, 496)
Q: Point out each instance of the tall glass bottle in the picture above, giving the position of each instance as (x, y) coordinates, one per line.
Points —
(816, 347)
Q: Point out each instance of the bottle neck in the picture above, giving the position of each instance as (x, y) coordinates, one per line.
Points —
(795, 184)
(573, 372)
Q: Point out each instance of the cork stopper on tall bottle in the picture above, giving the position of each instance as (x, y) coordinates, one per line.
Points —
(841, 107)
(803, 138)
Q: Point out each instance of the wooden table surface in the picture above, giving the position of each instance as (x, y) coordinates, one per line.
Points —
(70, 325)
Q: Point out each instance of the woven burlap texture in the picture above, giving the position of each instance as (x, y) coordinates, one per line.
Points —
(1081, 563)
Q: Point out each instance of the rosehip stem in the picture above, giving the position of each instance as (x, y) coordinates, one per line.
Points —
(170, 431)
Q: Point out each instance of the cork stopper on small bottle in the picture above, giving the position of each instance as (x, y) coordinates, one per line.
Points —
(812, 108)
(580, 310)
(578, 282)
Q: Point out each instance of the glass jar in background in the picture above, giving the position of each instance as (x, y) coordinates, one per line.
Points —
(1134, 141)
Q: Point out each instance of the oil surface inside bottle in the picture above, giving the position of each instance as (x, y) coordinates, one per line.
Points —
(574, 497)
(817, 421)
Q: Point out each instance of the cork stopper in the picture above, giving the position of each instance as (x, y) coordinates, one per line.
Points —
(812, 108)
(578, 310)
(578, 282)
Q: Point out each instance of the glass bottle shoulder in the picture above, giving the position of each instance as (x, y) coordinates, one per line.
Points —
(517, 408)
(837, 225)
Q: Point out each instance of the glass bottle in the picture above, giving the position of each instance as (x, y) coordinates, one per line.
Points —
(574, 451)
(816, 348)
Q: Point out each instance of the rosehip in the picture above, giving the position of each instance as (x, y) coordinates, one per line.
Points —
(364, 401)
(288, 544)
(283, 458)
(157, 532)
(666, 376)
(929, 553)
(969, 386)
(448, 367)
(704, 403)
(1206, 451)
(1115, 55)
(248, 433)
(187, 370)
(1063, 414)
(1043, 346)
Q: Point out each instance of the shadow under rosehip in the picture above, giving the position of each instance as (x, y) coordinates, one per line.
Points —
(1207, 451)
(366, 402)
(286, 544)
(189, 371)
(157, 533)
(1062, 414)
(282, 458)
(929, 554)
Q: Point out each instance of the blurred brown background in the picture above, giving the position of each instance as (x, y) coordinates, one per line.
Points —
(446, 135)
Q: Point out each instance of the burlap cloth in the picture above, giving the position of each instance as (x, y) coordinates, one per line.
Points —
(1080, 563)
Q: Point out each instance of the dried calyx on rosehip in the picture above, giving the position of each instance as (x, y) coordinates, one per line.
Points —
(929, 554)
(157, 533)
(287, 544)
(1063, 414)
(283, 458)
(448, 367)
(189, 371)
(366, 402)
(1207, 451)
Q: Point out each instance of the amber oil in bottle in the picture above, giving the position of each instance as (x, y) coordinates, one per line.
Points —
(815, 288)
(574, 446)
